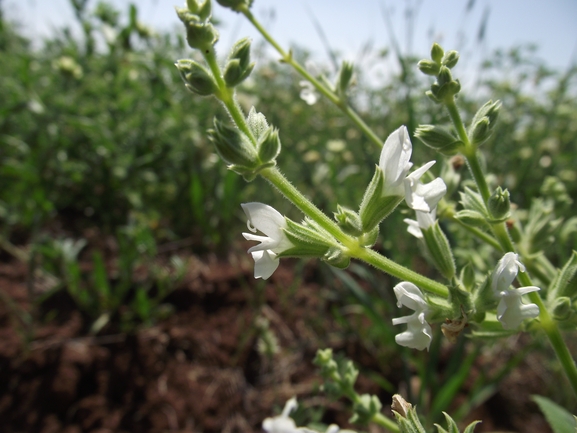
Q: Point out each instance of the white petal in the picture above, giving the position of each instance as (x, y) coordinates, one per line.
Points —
(395, 156)
(265, 263)
(505, 272)
(511, 310)
(426, 219)
(265, 218)
(413, 228)
(418, 334)
(410, 296)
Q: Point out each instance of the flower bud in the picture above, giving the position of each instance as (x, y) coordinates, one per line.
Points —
(196, 77)
(349, 221)
(561, 308)
(428, 67)
(483, 122)
(450, 59)
(269, 145)
(344, 78)
(444, 76)
(235, 5)
(336, 257)
(202, 9)
(200, 33)
(365, 409)
(439, 138)
(439, 250)
(238, 66)
(499, 204)
(437, 53)
(308, 240)
(233, 147)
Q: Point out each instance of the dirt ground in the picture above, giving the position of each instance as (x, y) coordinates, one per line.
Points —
(199, 369)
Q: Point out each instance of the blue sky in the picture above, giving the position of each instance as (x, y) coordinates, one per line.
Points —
(348, 25)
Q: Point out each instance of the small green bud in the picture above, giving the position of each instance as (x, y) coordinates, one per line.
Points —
(365, 409)
(562, 308)
(428, 67)
(200, 33)
(233, 147)
(468, 276)
(483, 122)
(344, 78)
(439, 250)
(238, 66)
(444, 76)
(202, 9)
(439, 138)
(349, 221)
(437, 53)
(336, 257)
(269, 145)
(499, 204)
(235, 5)
(472, 218)
(196, 77)
(450, 59)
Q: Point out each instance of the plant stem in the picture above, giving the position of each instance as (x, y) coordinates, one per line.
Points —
(328, 93)
(470, 151)
(275, 177)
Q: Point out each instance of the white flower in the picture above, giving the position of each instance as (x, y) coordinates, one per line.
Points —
(308, 92)
(395, 164)
(270, 222)
(420, 196)
(423, 222)
(394, 161)
(511, 310)
(418, 334)
(282, 423)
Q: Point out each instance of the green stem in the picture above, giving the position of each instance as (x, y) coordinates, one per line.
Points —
(226, 95)
(321, 88)
(470, 151)
(385, 422)
(354, 250)
(487, 238)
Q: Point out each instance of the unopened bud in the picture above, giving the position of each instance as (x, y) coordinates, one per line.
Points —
(344, 77)
(336, 257)
(437, 53)
(483, 122)
(562, 308)
(499, 204)
(200, 33)
(444, 76)
(349, 221)
(196, 77)
(238, 66)
(233, 146)
(269, 145)
(428, 67)
(235, 5)
(201, 8)
(450, 59)
(439, 138)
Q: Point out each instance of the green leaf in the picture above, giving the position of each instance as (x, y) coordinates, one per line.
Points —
(560, 420)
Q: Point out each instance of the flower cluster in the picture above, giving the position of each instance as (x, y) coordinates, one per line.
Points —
(511, 310)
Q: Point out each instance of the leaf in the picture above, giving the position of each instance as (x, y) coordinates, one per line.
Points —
(560, 420)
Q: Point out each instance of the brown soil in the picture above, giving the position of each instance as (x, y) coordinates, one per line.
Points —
(199, 369)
